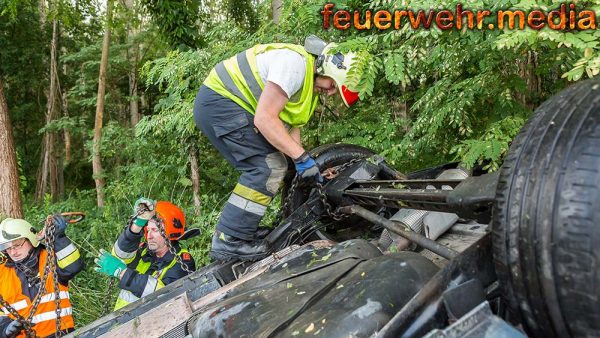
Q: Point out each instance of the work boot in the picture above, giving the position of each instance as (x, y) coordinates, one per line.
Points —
(226, 248)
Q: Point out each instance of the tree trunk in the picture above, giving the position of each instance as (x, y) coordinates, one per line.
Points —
(527, 67)
(66, 131)
(195, 179)
(65, 110)
(96, 159)
(134, 110)
(42, 11)
(144, 102)
(48, 173)
(133, 55)
(276, 7)
(10, 196)
(400, 108)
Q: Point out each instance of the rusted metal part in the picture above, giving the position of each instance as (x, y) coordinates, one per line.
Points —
(73, 216)
(397, 228)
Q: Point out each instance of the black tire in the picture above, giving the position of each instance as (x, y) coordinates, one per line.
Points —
(326, 156)
(546, 221)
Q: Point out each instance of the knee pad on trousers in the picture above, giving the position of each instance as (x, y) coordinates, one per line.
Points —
(278, 165)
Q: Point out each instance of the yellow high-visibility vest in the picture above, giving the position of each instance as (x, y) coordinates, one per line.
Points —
(237, 78)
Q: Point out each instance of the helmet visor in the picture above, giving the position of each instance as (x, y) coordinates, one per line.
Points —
(5, 245)
(16, 244)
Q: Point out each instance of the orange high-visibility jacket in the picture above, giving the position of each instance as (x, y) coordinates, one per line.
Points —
(44, 319)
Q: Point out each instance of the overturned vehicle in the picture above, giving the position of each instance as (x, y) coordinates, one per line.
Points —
(441, 252)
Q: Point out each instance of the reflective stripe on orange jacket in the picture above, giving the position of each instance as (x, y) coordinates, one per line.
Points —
(44, 319)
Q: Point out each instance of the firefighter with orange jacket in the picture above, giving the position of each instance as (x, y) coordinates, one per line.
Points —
(22, 273)
(143, 269)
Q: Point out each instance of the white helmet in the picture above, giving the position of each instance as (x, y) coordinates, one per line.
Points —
(336, 66)
(14, 228)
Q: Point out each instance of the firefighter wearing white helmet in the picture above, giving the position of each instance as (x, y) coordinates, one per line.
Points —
(251, 108)
(12, 229)
(22, 273)
(336, 66)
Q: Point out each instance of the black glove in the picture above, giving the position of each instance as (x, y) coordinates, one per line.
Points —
(307, 169)
(13, 329)
(60, 223)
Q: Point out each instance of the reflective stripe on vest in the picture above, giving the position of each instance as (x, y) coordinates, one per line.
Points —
(43, 319)
(51, 315)
(237, 78)
(20, 305)
(126, 297)
(49, 297)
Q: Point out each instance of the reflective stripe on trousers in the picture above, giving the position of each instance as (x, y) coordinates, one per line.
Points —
(231, 130)
(248, 202)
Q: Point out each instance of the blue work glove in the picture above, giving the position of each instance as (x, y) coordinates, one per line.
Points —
(144, 209)
(109, 264)
(13, 329)
(307, 169)
(60, 224)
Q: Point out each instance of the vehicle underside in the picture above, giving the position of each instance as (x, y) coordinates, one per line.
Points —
(441, 252)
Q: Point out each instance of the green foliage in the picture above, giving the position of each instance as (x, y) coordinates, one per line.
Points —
(177, 21)
(427, 96)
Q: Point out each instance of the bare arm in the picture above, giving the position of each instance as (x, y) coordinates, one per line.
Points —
(295, 134)
(270, 104)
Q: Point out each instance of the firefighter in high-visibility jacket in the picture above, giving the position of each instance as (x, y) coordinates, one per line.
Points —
(251, 108)
(143, 269)
(21, 274)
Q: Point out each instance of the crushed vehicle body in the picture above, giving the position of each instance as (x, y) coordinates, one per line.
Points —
(441, 252)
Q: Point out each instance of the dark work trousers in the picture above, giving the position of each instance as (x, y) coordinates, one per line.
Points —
(230, 128)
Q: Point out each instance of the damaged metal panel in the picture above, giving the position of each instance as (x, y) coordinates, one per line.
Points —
(349, 290)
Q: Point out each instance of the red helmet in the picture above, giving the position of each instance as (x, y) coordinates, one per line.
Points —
(172, 219)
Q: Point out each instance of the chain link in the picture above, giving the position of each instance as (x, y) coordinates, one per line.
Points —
(286, 201)
(107, 297)
(161, 228)
(322, 196)
(50, 233)
(49, 268)
(110, 283)
(329, 209)
(331, 212)
(29, 331)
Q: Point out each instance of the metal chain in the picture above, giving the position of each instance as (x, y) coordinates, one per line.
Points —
(161, 228)
(29, 331)
(333, 213)
(110, 282)
(286, 201)
(49, 268)
(328, 208)
(109, 287)
(50, 233)
(322, 196)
